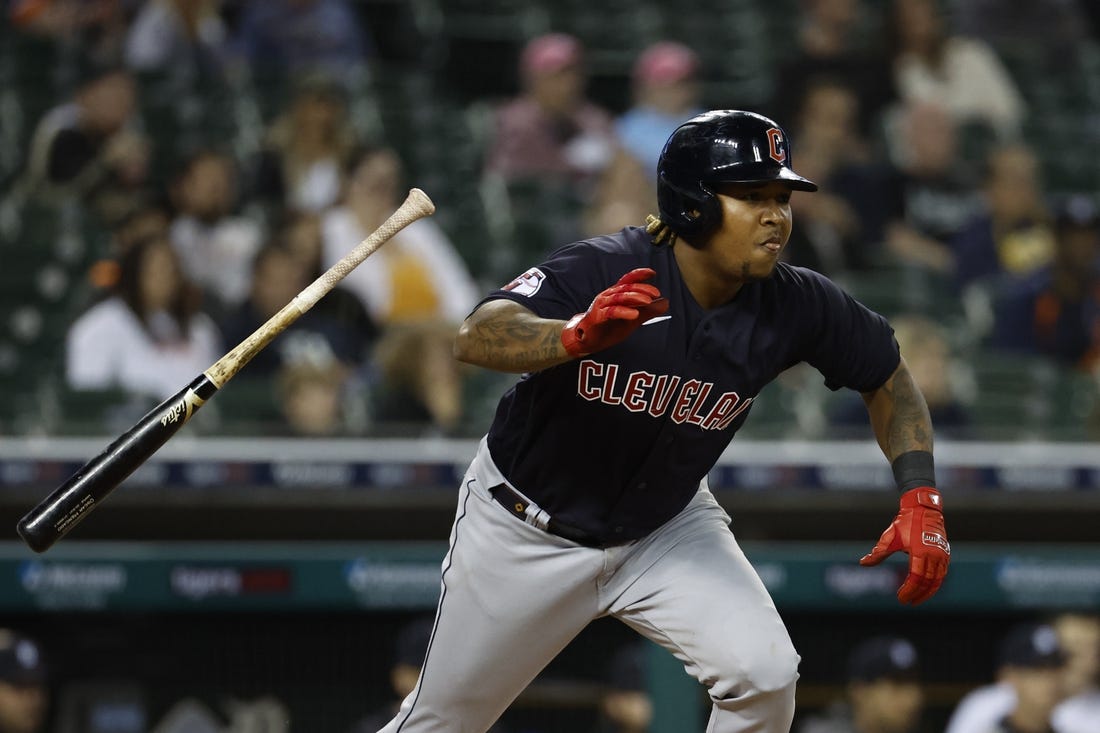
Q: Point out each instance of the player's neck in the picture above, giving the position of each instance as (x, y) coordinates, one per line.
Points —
(710, 287)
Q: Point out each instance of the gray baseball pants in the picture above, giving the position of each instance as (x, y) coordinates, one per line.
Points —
(513, 596)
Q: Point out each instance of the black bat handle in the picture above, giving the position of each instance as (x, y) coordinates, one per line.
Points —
(63, 509)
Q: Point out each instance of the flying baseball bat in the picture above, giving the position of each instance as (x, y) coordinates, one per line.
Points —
(62, 510)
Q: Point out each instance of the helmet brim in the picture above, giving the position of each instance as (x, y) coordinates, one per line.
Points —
(783, 174)
(795, 181)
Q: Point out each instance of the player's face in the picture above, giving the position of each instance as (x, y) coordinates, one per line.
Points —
(756, 224)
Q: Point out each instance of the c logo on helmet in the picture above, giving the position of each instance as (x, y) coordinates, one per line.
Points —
(775, 145)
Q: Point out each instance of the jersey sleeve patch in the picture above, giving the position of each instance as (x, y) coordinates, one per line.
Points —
(528, 283)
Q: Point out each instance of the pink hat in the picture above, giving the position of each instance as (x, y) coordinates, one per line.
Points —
(549, 53)
(665, 62)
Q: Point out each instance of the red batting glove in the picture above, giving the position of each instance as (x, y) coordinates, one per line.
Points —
(917, 530)
(614, 314)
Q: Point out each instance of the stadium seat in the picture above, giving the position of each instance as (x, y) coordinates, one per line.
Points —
(480, 43)
(732, 40)
(97, 411)
(1023, 397)
(246, 406)
(895, 290)
(791, 407)
(184, 112)
(1069, 403)
(543, 216)
(613, 32)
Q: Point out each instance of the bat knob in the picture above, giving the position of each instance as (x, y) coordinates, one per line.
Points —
(30, 529)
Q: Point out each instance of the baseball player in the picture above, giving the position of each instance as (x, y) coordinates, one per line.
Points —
(641, 354)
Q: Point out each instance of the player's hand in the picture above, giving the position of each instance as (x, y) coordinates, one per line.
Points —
(917, 530)
(614, 314)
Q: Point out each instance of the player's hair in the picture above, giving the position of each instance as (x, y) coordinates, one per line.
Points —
(662, 233)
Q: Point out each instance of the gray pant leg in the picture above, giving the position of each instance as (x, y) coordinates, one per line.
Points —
(690, 588)
(512, 598)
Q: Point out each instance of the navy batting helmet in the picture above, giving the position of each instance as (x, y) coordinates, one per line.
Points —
(720, 146)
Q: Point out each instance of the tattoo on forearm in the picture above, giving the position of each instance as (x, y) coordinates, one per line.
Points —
(910, 427)
(517, 344)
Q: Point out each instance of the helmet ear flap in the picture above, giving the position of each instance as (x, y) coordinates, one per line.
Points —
(693, 215)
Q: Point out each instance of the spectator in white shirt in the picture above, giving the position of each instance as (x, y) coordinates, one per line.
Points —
(148, 336)
(964, 74)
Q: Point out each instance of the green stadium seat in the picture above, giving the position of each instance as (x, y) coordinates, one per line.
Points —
(544, 215)
(41, 70)
(1070, 402)
(732, 41)
(482, 390)
(1021, 397)
(247, 405)
(792, 407)
(894, 290)
(182, 114)
(97, 411)
(488, 20)
(21, 381)
(613, 32)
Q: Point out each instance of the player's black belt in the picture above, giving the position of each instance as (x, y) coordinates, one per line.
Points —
(518, 506)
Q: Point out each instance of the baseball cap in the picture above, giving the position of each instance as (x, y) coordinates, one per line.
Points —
(549, 53)
(884, 657)
(21, 661)
(1031, 645)
(665, 62)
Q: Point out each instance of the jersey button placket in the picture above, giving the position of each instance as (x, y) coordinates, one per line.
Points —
(698, 355)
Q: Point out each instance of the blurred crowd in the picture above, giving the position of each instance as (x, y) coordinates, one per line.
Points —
(1043, 676)
(175, 171)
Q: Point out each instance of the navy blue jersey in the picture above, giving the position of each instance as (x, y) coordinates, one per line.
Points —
(616, 443)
